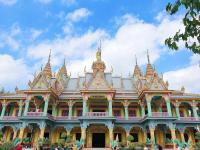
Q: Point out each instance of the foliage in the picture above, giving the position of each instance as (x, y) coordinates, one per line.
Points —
(197, 137)
(168, 141)
(191, 21)
(1, 134)
(130, 138)
(148, 141)
(7, 146)
(122, 144)
(26, 140)
(131, 146)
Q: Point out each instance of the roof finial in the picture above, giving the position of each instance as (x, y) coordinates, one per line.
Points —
(148, 56)
(64, 63)
(136, 60)
(98, 54)
(49, 55)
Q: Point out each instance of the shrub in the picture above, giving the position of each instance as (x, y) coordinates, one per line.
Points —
(130, 138)
(7, 146)
(131, 146)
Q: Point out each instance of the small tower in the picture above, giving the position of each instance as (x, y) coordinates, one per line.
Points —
(63, 70)
(149, 69)
(137, 72)
(98, 65)
(47, 69)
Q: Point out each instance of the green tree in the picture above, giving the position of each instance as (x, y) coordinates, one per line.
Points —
(191, 21)
(197, 137)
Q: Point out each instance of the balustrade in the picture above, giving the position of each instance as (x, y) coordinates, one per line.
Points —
(10, 118)
(160, 114)
(97, 114)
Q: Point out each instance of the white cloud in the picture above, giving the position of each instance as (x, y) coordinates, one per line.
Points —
(13, 72)
(8, 2)
(133, 36)
(35, 33)
(68, 2)
(78, 15)
(9, 38)
(188, 77)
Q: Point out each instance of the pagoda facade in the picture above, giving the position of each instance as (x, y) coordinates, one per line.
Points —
(99, 108)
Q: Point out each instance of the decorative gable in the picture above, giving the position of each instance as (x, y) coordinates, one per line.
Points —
(156, 83)
(98, 82)
(40, 82)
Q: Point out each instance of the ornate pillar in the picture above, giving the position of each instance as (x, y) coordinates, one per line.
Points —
(21, 132)
(15, 133)
(182, 135)
(70, 104)
(109, 98)
(152, 130)
(194, 109)
(110, 128)
(83, 132)
(173, 134)
(42, 130)
(142, 108)
(68, 128)
(177, 109)
(126, 104)
(145, 135)
(127, 129)
(169, 110)
(46, 104)
(20, 104)
(148, 99)
(4, 104)
(85, 98)
(54, 109)
(27, 105)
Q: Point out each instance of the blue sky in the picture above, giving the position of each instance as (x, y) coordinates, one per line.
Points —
(73, 28)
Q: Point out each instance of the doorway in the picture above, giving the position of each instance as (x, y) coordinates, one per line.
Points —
(98, 140)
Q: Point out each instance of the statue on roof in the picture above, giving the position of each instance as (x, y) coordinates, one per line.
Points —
(98, 54)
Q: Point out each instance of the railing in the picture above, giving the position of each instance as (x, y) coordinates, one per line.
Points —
(10, 118)
(65, 118)
(96, 114)
(160, 114)
(135, 118)
(34, 114)
(188, 118)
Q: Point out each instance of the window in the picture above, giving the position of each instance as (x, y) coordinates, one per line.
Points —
(78, 136)
(117, 113)
(119, 136)
(64, 112)
(132, 113)
(46, 135)
(168, 136)
(135, 136)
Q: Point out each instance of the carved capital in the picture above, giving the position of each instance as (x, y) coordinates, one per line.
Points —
(148, 97)
(46, 97)
(109, 96)
(125, 103)
(28, 97)
(166, 97)
(193, 103)
(85, 96)
(5, 103)
(70, 103)
(20, 103)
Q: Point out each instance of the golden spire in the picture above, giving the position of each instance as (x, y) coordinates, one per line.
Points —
(98, 65)
(47, 68)
(148, 56)
(137, 72)
(149, 69)
(63, 69)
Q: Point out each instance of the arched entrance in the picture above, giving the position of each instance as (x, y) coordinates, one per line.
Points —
(8, 133)
(137, 134)
(97, 136)
(185, 110)
(119, 134)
